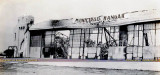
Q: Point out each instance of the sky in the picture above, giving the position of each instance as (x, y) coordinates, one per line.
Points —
(43, 10)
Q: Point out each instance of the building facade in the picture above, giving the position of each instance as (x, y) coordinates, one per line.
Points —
(131, 35)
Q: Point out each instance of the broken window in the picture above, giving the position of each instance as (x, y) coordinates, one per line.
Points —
(142, 34)
(112, 35)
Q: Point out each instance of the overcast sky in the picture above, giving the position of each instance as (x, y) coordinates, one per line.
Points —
(43, 10)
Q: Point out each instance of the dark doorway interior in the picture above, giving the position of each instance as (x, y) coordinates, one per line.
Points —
(55, 45)
(123, 36)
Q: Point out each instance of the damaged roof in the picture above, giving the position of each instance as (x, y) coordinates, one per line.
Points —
(129, 18)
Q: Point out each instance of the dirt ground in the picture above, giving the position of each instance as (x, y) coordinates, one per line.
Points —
(26, 69)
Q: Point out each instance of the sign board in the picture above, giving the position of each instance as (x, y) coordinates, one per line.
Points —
(99, 19)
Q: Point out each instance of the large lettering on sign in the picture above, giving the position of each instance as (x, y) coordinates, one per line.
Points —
(99, 19)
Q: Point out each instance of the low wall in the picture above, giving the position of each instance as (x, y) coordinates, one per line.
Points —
(121, 53)
(118, 53)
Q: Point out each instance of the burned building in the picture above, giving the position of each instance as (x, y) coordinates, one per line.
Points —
(131, 35)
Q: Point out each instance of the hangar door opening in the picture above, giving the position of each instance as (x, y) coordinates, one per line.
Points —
(56, 44)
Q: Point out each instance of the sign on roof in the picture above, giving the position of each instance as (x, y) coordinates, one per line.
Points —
(122, 19)
(99, 19)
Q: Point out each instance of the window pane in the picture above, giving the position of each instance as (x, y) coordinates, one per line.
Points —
(150, 36)
(116, 29)
(149, 26)
(136, 38)
(77, 31)
(130, 38)
(158, 37)
(112, 34)
(140, 27)
(136, 27)
(87, 31)
(100, 30)
(116, 36)
(70, 40)
(76, 40)
(83, 30)
(108, 28)
(71, 31)
(99, 37)
(112, 29)
(35, 41)
(103, 38)
(82, 40)
(157, 25)
(140, 38)
(93, 37)
(130, 27)
(94, 30)
(47, 40)
(48, 32)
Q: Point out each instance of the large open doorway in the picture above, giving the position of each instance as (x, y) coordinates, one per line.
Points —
(56, 44)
